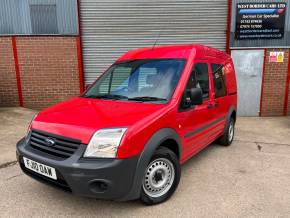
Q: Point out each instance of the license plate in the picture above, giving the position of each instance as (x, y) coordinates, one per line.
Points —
(40, 168)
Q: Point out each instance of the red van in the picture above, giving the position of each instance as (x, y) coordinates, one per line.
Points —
(126, 136)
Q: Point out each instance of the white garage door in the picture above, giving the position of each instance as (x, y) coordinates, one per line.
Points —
(112, 27)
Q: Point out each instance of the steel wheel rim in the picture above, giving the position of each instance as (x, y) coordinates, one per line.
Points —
(231, 131)
(159, 177)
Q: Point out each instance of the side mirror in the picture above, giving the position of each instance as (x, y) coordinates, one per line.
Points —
(192, 97)
(196, 96)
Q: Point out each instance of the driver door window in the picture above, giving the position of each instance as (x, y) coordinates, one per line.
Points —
(199, 79)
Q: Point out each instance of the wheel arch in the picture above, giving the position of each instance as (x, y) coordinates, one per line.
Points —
(232, 113)
(172, 145)
(166, 137)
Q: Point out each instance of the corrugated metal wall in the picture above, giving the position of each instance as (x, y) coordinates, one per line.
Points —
(266, 43)
(15, 17)
(112, 27)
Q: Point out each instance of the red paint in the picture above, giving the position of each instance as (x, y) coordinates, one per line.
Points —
(80, 64)
(228, 35)
(263, 77)
(79, 52)
(81, 117)
(177, 51)
(287, 87)
(17, 71)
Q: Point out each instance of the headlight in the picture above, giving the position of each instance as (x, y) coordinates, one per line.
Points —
(105, 143)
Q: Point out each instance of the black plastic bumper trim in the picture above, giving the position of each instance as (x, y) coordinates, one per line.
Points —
(82, 177)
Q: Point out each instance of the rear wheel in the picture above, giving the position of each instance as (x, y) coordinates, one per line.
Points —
(227, 138)
(161, 177)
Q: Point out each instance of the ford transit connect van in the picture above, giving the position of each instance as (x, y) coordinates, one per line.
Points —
(126, 136)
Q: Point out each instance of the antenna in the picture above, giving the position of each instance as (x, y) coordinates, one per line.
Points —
(158, 36)
(156, 40)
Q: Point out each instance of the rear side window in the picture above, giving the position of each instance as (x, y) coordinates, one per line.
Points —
(219, 80)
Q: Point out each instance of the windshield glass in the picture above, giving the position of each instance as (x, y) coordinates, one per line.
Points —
(138, 80)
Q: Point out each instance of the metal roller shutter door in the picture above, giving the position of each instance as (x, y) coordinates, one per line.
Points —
(112, 27)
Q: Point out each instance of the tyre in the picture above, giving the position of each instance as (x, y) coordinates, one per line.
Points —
(161, 177)
(227, 138)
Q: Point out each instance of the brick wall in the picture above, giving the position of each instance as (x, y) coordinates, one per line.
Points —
(8, 85)
(274, 85)
(48, 70)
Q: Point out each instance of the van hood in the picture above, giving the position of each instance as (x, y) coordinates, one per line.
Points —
(79, 118)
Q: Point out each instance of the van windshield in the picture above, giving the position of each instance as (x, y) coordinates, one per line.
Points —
(139, 80)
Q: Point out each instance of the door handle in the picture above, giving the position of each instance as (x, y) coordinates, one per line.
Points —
(216, 104)
(209, 106)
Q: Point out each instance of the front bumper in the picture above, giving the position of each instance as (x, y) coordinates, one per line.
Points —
(97, 178)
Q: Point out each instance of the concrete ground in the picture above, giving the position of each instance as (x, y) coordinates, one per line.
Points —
(248, 179)
(13, 126)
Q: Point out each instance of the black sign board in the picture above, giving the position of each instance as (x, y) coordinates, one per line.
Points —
(260, 21)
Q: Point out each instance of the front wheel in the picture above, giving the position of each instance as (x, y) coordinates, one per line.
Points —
(161, 177)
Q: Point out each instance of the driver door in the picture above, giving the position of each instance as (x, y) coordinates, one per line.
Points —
(195, 120)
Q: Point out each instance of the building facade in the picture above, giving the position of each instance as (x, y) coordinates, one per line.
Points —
(52, 49)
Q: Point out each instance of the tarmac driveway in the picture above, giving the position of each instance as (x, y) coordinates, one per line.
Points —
(248, 179)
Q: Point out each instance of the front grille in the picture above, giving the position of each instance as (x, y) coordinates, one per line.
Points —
(63, 147)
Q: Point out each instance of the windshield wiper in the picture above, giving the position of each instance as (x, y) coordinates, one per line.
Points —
(118, 97)
(147, 98)
(107, 96)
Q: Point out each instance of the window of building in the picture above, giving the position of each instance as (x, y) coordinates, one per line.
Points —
(38, 17)
(43, 19)
(219, 80)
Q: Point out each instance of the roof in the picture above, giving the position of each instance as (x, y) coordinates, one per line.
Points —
(173, 51)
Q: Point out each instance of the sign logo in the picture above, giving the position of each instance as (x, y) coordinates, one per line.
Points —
(260, 20)
(49, 142)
